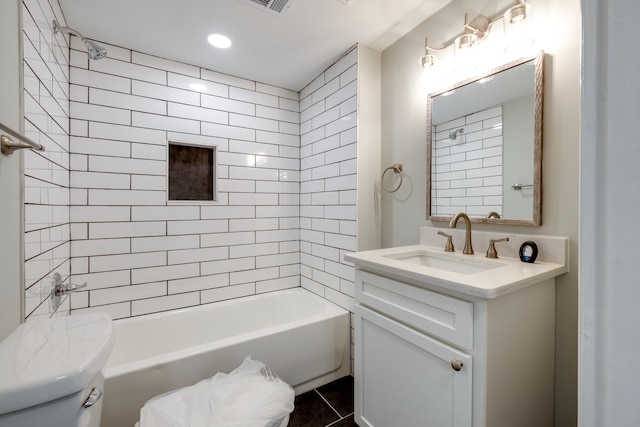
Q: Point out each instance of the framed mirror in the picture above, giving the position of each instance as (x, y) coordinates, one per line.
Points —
(484, 146)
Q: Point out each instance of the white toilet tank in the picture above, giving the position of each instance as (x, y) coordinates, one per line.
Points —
(51, 371)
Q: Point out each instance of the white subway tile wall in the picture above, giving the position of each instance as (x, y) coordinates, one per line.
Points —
(47, 187)
(95, 201)
(467, 169)
(140, 255)
(328, 181)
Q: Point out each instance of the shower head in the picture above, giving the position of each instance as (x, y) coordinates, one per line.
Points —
(94, 50)
(453, 134)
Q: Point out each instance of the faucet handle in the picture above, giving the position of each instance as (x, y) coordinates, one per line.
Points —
(491, 251)
(59, 289)
(449, 246)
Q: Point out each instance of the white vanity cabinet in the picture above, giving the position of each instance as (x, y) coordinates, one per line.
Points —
(426, 356)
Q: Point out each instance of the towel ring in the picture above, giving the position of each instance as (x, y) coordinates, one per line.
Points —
(396, 168)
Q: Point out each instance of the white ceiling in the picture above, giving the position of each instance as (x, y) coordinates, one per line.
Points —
(288, 50)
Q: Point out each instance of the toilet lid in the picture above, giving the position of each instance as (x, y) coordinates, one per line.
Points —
(47, 359)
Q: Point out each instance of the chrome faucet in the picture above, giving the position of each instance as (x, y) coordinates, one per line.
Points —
(468, 248)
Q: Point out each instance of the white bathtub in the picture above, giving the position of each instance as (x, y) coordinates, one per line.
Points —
(302, 337)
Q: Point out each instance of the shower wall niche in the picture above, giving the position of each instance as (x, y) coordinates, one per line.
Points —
(191, 173)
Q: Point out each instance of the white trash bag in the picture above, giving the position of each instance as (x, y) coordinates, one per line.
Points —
(249, 396)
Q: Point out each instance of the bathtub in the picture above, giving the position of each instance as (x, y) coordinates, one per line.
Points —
(302, 337)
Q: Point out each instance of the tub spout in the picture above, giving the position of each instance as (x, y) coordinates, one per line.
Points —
(468, 248)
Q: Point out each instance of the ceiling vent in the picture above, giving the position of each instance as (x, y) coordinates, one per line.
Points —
(275, 7)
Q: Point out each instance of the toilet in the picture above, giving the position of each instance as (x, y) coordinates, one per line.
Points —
(51, 371)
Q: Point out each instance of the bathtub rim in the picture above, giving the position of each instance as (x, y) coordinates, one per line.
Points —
(330, 311)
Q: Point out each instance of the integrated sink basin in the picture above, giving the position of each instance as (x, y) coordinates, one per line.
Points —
(467, 276)
(451, 263)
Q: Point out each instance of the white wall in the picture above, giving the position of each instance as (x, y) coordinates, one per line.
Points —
(46, 174)
(369, 234)
(518, 129)
(328, 109)
(404, 141)
(340, 159)
(10, 171)
(140, 254)
(610, 200)
(328, 181)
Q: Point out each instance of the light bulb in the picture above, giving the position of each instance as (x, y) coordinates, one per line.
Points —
(518, 28)
(218, 40)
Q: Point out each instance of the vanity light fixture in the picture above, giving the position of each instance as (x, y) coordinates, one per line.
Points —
(464, 54)
(517, 13)
(474, 32)
(517, 26)
(465, 41)
(429, 76)
(427, 60)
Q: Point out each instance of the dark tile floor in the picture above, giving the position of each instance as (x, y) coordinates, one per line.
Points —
(329, 405)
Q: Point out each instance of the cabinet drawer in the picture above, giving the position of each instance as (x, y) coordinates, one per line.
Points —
(442, 316)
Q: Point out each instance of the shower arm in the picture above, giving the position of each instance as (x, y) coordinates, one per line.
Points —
(57, 27)
(93, 50)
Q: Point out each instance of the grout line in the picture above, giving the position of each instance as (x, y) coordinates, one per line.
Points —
(341, 419)
(327, 402)
(333, 423)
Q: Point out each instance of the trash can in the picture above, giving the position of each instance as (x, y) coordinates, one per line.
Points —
(249, 396)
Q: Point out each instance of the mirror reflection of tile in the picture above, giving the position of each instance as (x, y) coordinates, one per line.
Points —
(467, 164)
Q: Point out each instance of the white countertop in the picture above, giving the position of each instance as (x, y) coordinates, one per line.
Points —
(507, 274)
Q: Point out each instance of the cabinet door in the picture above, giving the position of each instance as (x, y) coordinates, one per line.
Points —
(405, 378)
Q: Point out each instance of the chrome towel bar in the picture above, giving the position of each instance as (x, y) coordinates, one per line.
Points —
(9, 145)
(521, 186)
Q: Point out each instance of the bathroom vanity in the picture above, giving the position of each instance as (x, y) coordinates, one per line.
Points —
(446, 339)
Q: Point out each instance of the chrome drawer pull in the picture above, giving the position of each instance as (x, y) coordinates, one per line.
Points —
(456, 365)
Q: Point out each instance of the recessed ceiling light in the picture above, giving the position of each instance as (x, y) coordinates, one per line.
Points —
(218, 40)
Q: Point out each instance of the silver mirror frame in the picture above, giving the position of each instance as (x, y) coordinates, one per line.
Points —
(537, 168)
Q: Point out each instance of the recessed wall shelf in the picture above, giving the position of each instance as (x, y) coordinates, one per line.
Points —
(191, 173)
